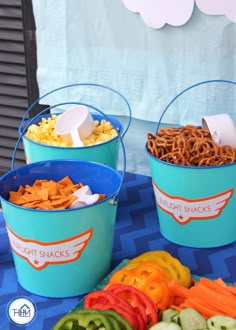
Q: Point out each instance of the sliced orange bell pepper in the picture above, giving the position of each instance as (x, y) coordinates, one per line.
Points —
(148, 277)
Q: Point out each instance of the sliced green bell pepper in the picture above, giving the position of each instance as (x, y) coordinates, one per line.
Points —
(84, 320)
(122, 324)
(92, 319)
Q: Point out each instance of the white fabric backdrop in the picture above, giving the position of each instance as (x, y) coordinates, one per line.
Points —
(100, 41)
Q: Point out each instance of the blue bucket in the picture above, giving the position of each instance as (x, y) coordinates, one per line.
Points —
(195, 205)
(106, 153)
(62, 253)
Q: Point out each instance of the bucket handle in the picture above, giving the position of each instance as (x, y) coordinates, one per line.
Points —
(187, 89)
(77, 85)
(23, 130)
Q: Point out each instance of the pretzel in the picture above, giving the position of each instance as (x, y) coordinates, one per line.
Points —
(206, 147)
(228, 153)
(212, 161)
(172, 131)
(190, 146)
(174, 158)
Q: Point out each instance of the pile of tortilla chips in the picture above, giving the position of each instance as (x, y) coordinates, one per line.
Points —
(46, 194)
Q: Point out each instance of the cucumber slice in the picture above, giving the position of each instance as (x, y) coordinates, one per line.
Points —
(165, 326)
(221, 322)
(170, 315)
(191, 319)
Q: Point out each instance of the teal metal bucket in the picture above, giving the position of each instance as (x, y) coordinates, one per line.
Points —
(196, 206)
(106, 153)
(62, 253)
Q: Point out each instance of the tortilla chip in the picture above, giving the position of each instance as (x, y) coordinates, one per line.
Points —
(46, 205)
(21, 189)
(46, 194)
(66, 203)
(43, 193)
(66, 181)
(16, 198)
(59, 201)
(31, 205)
(31, 197)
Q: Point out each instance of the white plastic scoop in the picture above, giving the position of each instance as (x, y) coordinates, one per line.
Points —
(89, 199)
(75, 124)
(84, 197)
(221, 128)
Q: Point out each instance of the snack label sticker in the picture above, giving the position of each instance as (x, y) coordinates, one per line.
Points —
(184, 210)
(41, 254)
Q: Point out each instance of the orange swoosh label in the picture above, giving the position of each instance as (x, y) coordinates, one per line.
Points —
(183, 210)
(41, 254)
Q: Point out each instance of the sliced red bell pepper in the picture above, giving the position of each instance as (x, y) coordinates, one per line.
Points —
(130, 317)
(106, 300)
(138, 300)
(98, 297)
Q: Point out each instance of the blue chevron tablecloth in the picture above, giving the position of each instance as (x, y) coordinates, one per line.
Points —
(137, 231)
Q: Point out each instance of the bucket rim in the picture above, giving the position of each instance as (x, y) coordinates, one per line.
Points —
(28, 209)
(112, 196)
(67, 160)
(186, 166)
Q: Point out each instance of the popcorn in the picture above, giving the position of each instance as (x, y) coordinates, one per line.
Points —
(44, 133)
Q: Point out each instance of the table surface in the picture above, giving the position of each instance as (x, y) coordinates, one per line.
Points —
(137, 231)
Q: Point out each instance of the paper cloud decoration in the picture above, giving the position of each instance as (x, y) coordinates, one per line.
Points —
(218, 7)
(157, 13)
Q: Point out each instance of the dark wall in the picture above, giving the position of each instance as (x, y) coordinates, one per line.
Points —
(18, 85)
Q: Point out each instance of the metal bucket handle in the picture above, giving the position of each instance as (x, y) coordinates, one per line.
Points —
(187, 89)
(77, 103)
(77, 85)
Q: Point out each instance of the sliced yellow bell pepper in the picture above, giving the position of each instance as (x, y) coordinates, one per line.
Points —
(172, 266)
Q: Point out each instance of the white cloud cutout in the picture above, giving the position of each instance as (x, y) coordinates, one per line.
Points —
(157, 13)
(218, 7)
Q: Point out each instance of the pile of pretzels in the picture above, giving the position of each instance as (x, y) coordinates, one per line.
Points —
(190, 146)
